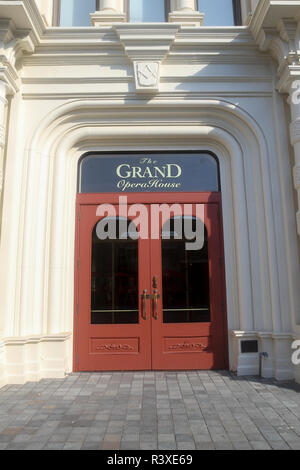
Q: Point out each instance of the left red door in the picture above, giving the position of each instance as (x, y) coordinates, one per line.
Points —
(112, 329)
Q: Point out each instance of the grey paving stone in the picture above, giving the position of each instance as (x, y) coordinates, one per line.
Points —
(241, 445)
(205, 446)
(72, 446)
(17, 446)
(157, 410)
(184, 437)
(148, 446)
(294, 445)
(260, 445)
(186, 446)
(133, 445)
(90, 446)
(35, 446)
(167, 446)
(53, 446)
(279, 445)
(148, 437)
(223, 445)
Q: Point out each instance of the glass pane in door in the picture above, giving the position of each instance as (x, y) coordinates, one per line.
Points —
(114, 279)
(185, 277)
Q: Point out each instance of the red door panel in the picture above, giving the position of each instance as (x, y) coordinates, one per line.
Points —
(198, 342)
(104, 342)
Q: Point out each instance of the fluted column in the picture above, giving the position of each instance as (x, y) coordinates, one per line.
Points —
(110, 12)
(295, 140)
(281, 39)
(3, 103)
(185, 13)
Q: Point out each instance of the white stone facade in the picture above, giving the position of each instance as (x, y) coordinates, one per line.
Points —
(67, 91)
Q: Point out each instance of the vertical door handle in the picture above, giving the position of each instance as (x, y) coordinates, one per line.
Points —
(155, 298)
(145, 296)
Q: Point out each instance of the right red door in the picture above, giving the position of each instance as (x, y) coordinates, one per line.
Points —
(188, 317)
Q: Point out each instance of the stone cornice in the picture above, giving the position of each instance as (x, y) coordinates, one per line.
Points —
(21, 28)
(268, 13)
(25, 15)
(128, 43)
(27, 40)
(275, 27)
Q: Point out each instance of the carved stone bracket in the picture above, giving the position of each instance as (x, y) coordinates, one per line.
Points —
(297, 176)
(13, 43)
(147, 47)
(295, 131)
(275, 27)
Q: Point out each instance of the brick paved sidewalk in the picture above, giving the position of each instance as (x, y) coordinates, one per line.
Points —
(151, 410)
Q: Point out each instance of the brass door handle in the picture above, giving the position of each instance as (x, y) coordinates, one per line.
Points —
(155, 298)
(145, 297)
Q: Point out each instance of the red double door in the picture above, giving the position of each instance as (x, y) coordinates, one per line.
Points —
(154, 300)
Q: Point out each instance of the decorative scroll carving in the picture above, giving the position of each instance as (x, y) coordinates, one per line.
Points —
(295, 131)
(115, 347)
(187, 347)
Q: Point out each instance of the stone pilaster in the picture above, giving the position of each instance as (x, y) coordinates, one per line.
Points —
(13, 42)
(295, 140)
(281, 39)
(3, 103)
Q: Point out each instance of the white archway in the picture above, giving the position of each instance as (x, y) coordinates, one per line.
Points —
(258, 293)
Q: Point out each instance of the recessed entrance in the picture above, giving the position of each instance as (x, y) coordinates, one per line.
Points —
(149, 280)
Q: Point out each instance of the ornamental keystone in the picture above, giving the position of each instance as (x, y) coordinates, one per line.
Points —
(147, 76)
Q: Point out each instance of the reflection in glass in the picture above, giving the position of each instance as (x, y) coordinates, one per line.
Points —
(217, 12)
(76, 12)
(147, 11)
(114, 281)
(185, 277)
